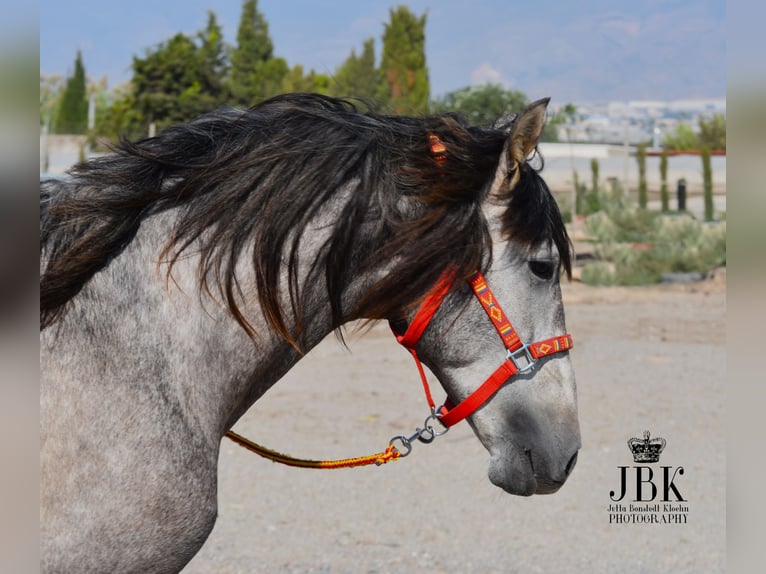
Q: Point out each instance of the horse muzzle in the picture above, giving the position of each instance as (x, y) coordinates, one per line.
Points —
(524, 473)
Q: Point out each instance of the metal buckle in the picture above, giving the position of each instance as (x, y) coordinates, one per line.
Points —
(522, 358)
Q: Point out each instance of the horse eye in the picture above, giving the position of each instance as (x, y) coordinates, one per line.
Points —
(543, 269)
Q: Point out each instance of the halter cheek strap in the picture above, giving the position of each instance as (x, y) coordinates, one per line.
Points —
(418, 325)
(520, 357)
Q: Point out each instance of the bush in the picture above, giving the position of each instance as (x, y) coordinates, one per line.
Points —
(635, 225)
(599, 273)
(688, 245)
(636, 247)
(601, 227)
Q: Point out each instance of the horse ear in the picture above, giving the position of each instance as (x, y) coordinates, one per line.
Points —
(526, 131)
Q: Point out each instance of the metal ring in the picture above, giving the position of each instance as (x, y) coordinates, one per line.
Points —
(406, 444)
(435, 417)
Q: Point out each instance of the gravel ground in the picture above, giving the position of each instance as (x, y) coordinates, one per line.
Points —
(646, 358)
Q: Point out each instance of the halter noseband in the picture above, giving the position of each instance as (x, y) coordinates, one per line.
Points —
(520, 358)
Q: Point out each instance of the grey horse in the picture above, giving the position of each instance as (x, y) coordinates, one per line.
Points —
(183, 275)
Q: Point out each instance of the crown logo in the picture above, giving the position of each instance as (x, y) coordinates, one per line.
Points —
(646, 450)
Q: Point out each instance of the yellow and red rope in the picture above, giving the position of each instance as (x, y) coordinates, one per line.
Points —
(391, 453)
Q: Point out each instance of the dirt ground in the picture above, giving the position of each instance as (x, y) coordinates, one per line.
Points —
(646, 359)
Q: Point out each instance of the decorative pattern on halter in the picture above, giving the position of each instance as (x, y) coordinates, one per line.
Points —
(494, 311)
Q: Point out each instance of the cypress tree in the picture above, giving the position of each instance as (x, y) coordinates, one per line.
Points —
(593, 197)
(214, 63)
(255, 72)
(594, 169)
(707, 183)
(405, 87)
(642, 188)
(357, 77)
(579, 193)
(664, 193)
(72, 113)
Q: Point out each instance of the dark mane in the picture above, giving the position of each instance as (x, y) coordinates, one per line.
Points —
(533, 218)
(253, 179)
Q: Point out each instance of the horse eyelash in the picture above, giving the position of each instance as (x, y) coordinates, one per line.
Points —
(543, 268)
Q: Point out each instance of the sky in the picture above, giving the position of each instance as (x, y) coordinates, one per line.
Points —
(583, 51)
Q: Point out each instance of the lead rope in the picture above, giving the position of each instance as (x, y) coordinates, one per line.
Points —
(391, 453)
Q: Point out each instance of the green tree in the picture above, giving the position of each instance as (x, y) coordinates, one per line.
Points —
(581, 191)
(481, 105)
(664, 193)
(643, 192)
(712, 132)
(358, 77)
(707, 183)
(682, 138)
(214, 63)
(177, 80)
(255, 72)
(72, 114)
(167, 83)
(121, 116)
(296, 80)
(594, 171)
(592, 197)
(405, 87)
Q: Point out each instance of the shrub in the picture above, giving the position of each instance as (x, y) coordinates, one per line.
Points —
(688, 245)
(598, 273)
(636, 247)
(601, 227)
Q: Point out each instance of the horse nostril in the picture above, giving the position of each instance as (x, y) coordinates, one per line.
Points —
(571, 463)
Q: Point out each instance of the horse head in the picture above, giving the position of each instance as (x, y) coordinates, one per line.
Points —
(529, 425)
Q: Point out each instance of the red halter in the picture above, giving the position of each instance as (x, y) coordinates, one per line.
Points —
(520, 358)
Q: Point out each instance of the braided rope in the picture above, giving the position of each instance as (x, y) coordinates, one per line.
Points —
(391, 453)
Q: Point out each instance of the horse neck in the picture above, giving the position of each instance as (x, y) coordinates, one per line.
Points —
(160, 331)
